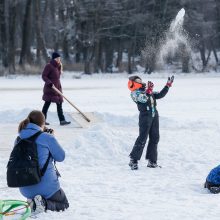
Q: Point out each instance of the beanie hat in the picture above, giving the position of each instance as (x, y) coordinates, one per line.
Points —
(55, 55)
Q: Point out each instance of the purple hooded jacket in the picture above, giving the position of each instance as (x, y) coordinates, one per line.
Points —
(51, 76)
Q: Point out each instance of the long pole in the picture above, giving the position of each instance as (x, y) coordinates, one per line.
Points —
(60, 93)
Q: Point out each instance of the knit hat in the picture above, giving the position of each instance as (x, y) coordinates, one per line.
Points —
(55, 55)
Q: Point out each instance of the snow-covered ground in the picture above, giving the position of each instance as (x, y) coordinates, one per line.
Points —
(95, 173)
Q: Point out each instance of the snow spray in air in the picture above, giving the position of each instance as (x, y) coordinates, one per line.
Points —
(175, 40)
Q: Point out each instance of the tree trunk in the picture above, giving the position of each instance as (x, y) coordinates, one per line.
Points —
(64, 35)
(97, 57)
(214, 52)
(202, 52)
(78, 51)
(185, 63)
(25, 49)
(3, 29)
(218, 17)
(98, 63)
(129, 59)
(185, 59)
(45, 12)
(119, 58)
(109, 56)
(39, 35)
(12, 30)
(66, 47)
(87, 68)
(53, 16)
(207, 60)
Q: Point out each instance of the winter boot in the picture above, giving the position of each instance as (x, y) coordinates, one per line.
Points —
(37, 205)
(65, 122)
(133, 164)
(152, 164)
(214, 189)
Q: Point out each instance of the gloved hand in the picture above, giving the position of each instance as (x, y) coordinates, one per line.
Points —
(150, 87)
(48, 130)
(50, 85)
(170, 81)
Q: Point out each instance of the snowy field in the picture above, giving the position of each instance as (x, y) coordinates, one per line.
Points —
(95, 174)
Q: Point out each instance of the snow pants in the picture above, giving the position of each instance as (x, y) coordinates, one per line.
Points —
(57, 202)
(148, 126)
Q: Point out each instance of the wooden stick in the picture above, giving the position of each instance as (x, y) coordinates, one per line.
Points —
(60, 93)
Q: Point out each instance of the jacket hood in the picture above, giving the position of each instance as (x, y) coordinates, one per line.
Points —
(30, 130)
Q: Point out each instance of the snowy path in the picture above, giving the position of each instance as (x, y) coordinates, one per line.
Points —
(95, 174)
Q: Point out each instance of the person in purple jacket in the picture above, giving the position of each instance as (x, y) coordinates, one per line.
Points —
(51, 77)
(47, 194)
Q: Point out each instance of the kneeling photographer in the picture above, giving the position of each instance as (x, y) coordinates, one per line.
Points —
(44, 192)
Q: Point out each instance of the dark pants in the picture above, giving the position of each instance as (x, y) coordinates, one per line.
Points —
(57, 202)
(59, 110)
(148, 126)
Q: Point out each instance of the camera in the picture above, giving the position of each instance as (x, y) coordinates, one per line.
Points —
(48, 130)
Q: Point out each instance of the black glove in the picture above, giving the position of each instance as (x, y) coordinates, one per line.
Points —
(50, 84)
(48, 130)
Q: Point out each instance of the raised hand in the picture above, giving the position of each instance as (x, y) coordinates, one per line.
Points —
(170, 81)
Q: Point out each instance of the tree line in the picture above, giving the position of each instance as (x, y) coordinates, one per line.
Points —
(96, 36)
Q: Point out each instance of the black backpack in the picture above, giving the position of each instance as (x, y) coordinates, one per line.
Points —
(23, 166)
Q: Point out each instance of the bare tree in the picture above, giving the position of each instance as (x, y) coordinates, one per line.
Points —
(3, 35)
(12, 31)
(26, 35)
(99, 34)
(41, 47)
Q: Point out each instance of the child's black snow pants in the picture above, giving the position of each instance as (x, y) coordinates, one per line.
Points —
(148, 126)
(57, 202)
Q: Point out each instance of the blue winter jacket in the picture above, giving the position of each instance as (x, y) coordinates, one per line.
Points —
(45, 143)
(214, 176)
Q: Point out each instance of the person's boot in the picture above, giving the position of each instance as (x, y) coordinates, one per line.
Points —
(152, 164)
(37, 205)
(64, 122)
(214, 189)
(133, 164)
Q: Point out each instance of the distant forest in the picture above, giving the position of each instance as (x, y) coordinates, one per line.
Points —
(105, 36)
